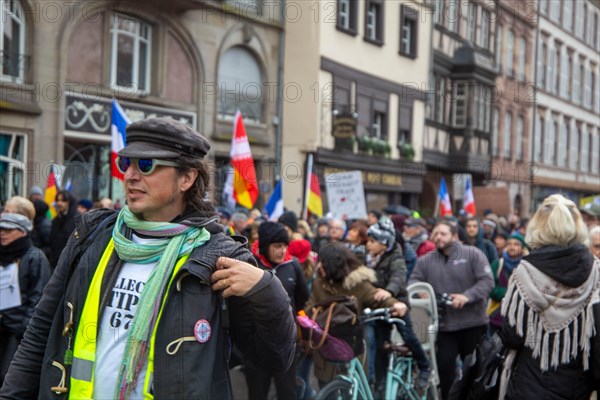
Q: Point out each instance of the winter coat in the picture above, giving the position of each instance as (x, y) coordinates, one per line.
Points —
(358, 283)
(487, 247)
(465, 270)
(570, 267)
(291, 275)
(41, 235)
(34, 273)
(260, 323)
(391, 273)
(62, 227)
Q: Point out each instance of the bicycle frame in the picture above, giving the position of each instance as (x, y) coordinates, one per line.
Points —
(355, 375)
(399, 374)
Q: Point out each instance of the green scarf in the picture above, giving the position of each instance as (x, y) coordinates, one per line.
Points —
(173, 242)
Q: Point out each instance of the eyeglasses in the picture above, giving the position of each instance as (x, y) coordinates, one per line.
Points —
(146, 166)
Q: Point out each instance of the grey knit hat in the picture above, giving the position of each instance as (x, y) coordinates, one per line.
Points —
(15, 221)
(383, 232)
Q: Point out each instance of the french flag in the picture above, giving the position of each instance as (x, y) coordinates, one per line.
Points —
(117, 129)
(445, 205)
(274, 206)
(468, 199)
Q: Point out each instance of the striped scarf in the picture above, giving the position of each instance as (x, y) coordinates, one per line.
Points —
(172, 242)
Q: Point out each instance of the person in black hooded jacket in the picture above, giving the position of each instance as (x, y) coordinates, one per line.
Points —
(42, 227)
(271, 253)
(551, 311)
(63, 224)
(30, 272)
(475, 237)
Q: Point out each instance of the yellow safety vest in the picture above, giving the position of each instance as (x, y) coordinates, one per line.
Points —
(84, 351)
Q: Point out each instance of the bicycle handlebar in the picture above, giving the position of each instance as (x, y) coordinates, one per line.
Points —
(379, 314)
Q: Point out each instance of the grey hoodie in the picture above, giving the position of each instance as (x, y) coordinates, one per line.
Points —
(465, 271)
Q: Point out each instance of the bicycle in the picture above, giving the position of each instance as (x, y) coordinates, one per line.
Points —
(353, 384)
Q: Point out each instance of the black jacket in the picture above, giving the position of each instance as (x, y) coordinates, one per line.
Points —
(391, 273)
(62, 227)
(567, 381)
(292, 278)
(34, 273)
(260, 323)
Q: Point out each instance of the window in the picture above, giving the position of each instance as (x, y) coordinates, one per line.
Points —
(556, 61)
(498, 50)
(483, 104)
(438, 12)
(591, 29)
(574, 148)
(507, 133)
(12, 46)
(459, 119)
(522, 54)
(595, 153)
(554, 9)
(488, 106)
(452, 15)
(541, 64)
(509, 54)
(567, 17)
(374, 21)
(582, 80)
(564, 74)
(471, 22)
(240, 87)
(346, 17)
(379, 125)
(537, 140)
(495, 121)
(485, 29)
(131, 51)
(584, 161)
(587, 93)
(543, 6)
(562, 144)
(579, 19)
(549, 142)
(519, 139)
(576, 92)
(550, 75)
(596, 91)
(13, 158)
(439, 99)
(408, 40)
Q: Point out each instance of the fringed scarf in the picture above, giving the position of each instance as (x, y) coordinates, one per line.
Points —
(559, 322)
(173, 241)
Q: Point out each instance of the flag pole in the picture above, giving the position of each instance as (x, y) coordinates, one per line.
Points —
(437, 203)
(309, 167)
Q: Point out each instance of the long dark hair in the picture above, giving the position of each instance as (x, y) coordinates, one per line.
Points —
(194, 197)
(337, 261)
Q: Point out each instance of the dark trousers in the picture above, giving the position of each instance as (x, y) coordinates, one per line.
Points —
(259, 383)
(449, 346)
(9, 342)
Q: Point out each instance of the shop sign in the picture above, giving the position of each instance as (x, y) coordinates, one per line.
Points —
(344, 126)
(372, 177)
(89, 114)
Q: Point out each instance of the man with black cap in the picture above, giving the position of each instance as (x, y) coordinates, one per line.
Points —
(591, 214)
(415, 234)
(146, 302)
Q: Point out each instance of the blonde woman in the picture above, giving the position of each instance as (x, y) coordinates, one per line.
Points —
(551, 310)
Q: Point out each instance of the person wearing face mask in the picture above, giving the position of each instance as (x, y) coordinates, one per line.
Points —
(25, 271)
(271, 253)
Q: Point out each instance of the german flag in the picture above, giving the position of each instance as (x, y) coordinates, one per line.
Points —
(50, 193)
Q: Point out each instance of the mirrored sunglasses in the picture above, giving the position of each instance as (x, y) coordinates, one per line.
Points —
(146, 166)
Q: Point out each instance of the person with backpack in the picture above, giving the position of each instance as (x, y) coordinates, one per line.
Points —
(152, 304)
(339, 273)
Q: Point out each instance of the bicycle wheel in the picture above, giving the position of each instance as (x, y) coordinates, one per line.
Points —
(337, 389)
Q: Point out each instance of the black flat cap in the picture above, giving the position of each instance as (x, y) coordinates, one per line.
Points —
(163, 138)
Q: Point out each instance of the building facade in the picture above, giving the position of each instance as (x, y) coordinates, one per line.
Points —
(456, 142)
(566, 139)
(512, 107)
(364, 73)
(64, 62)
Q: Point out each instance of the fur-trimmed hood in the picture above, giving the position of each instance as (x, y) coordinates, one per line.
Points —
(358, 276)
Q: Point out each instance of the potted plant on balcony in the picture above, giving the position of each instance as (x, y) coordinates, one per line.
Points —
(406, 151)
(381, 147)
(365, 144)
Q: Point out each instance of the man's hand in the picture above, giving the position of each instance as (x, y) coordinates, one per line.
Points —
(399, 309)
(459, 300)
(235, 277)
(382, 294)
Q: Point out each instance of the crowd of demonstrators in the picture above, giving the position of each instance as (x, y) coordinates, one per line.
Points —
(25, 271)
(463, 273)
(552, 310)
(127, 273)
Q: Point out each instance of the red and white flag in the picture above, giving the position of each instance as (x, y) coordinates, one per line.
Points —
(117, 129)
(445, 205)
